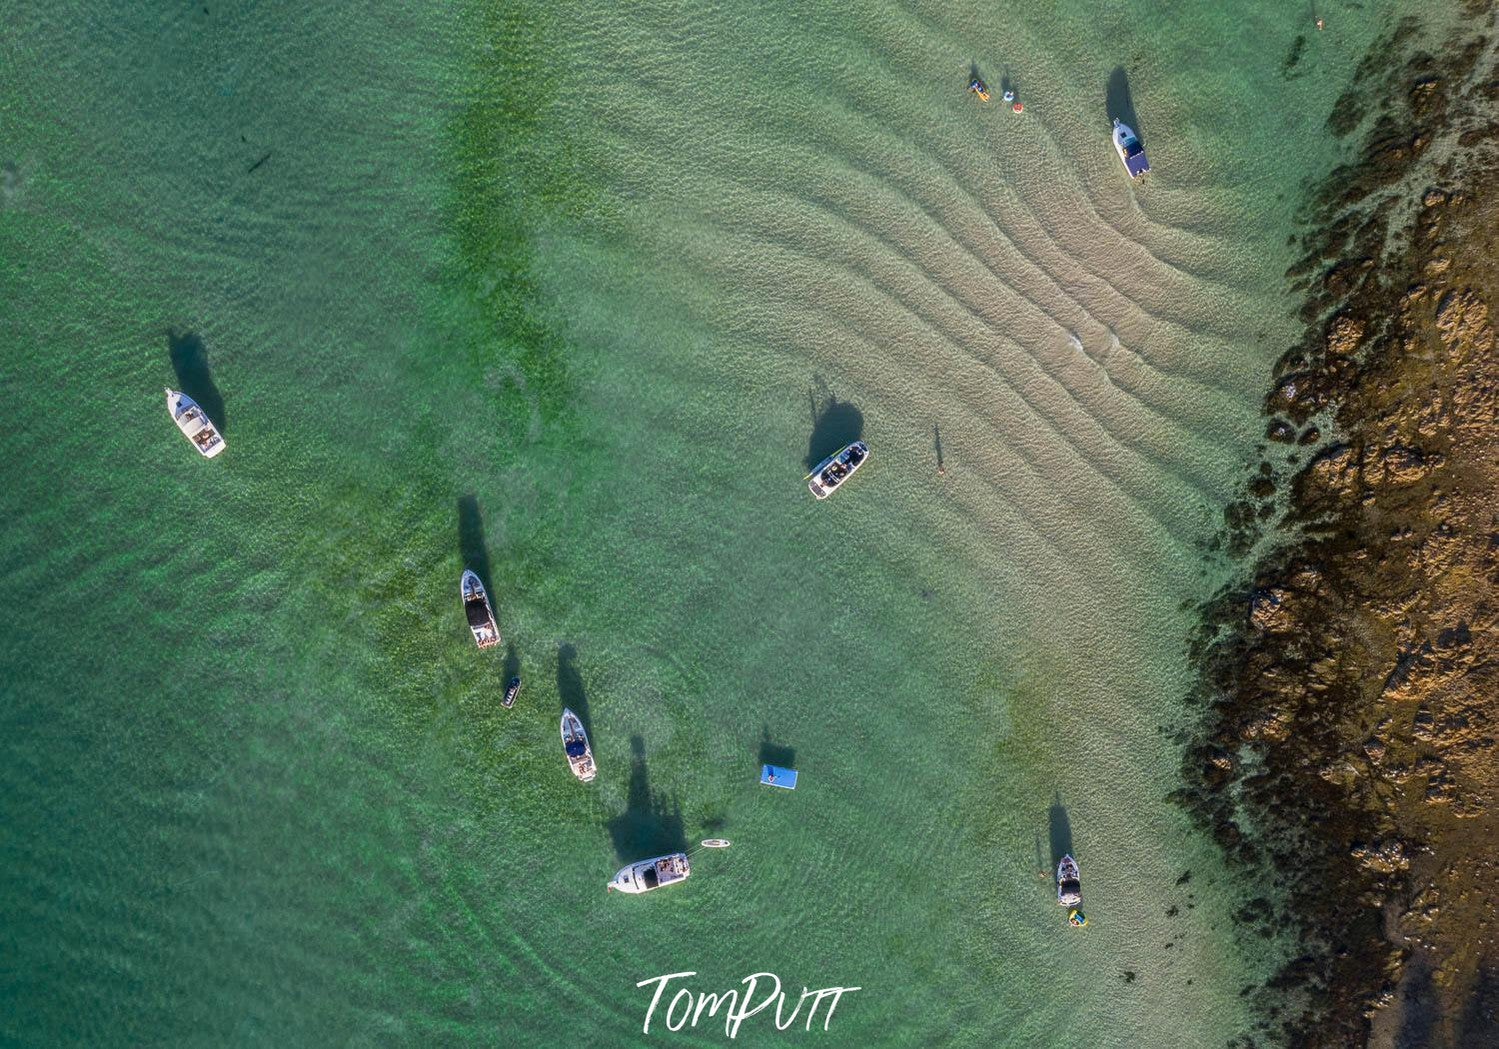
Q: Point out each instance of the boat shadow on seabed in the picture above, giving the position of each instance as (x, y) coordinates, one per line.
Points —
(1118, 105)
(195, 378)
(1060, 831)
(570, 686)
(651, 824)
(471, 548)
(835, 425)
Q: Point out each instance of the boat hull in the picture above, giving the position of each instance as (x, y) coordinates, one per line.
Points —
(1131, 153)
(650, 875)
(580, 761)
(1069, 883)
(194, 424)
(834, 471)
(478, 611)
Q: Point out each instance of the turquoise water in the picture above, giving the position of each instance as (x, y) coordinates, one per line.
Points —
(579, 294)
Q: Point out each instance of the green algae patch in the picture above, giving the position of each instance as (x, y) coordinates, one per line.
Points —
(514, 171)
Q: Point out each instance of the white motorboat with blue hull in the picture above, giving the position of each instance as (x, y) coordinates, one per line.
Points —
(1131, 153)
(575, 746)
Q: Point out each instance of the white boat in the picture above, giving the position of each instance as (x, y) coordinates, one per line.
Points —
(651, 874)
(837, 468)
(575, 746)
(194, 424)
(1131, 153)
(476, 608)
(1069, 885)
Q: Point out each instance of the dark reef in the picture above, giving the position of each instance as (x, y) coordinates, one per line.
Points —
(1345, 755)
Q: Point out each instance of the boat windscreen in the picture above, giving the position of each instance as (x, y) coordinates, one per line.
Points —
(478, 614)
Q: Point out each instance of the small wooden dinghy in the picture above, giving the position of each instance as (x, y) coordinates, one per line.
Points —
(476, 609)
(837, 468)
(195, 425)
(651, 874)
(1069, 883)
(575, 746)
(512, 689)
(775, 776)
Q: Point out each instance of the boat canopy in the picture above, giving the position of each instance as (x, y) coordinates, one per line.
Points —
(576, 748)
(1134, 160)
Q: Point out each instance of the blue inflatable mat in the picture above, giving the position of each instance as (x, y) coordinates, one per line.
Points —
(775, 776)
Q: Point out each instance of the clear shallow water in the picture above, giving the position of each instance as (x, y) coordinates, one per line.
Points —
(611, 277)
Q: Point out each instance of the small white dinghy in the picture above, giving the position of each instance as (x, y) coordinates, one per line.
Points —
(575, 746)
(651, 874)
(476, 608)
(194, 424)
(837, 468)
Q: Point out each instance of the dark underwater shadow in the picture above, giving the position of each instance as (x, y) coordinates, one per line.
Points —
(835, 424)
(774, 753)
(570, 685)
(512, 662)
(651, 825)
(1479, 1023)
(1119, 105)
(195, 378)
(471, 541)
(1060, 830)
(937, 446)
(1420, 1009)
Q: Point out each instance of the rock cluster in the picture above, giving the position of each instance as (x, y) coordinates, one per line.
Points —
(1350, 690)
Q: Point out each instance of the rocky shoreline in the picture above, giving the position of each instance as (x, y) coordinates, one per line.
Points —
(1345, 756)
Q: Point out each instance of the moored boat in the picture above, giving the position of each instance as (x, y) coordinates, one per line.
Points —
(1069, 884)
(512, 688)
(837, 468)
(194, 423)
(651, 874)
(1131, 153)
(575, 746)
(476, 609)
